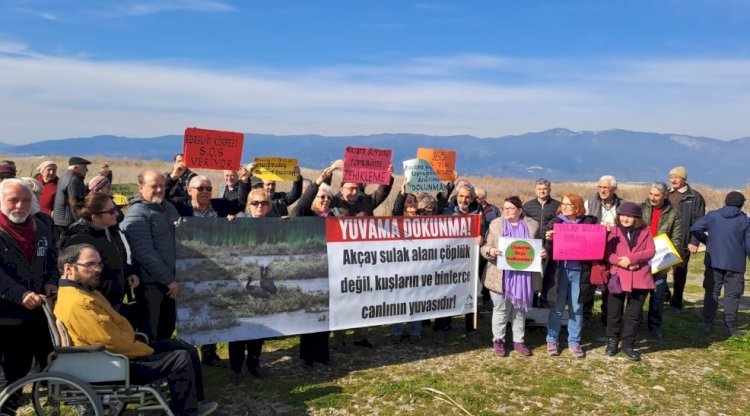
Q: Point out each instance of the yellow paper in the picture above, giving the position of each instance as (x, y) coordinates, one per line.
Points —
(666, 255)
(275, 169)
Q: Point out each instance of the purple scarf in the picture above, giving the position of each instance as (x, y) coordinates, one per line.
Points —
(517, 284)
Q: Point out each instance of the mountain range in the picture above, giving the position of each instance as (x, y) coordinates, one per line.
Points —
(557, 154)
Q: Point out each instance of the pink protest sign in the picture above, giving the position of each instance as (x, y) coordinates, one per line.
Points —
(367, 165)
(578, 241)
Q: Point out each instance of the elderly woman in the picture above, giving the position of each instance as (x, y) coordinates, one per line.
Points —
(97, 225)
(48, 178)
(511, 291)
(572, 281)
(630, 246)
(315, 202)
(248, 351)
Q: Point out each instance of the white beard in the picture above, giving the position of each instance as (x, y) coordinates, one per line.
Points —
(17, 219)
(157, 200)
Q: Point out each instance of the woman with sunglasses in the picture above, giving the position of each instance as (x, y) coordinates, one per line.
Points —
(97, 225)
(315, 202)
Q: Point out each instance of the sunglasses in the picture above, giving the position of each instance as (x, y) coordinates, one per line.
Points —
(424, 211)
(260, 203)
(110, 211)
(203, 188)
(324, 197)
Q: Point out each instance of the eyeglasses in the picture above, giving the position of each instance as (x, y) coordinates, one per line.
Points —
(324, 197)
(203, 188)
(566, 205)
(91, 266)
(510, 208)
(601, 188)
(260, 203)
(350, 188)
(424, 211)
(110, 211)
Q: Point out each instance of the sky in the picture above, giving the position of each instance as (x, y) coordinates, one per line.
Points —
(144, 68)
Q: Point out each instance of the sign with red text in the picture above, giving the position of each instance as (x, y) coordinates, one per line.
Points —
(384, 270)
(578, 241)
(367, 165)
(520, 254)
(442, 161)
(212, 149)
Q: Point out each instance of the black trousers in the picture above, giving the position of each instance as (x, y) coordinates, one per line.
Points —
(238, 356)
(158, 311)
(20, 343)
(624, 325)
(679, 274)
(442, 324)
(314, 347)
(178, 363)
(733, 284)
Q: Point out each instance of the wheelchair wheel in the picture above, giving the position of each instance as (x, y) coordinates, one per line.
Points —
(50, 394)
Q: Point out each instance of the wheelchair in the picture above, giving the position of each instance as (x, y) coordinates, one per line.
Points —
(80, 381)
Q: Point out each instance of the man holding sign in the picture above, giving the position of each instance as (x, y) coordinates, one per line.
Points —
(661, 218)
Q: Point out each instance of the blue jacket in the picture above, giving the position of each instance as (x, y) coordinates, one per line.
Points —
(728, 239)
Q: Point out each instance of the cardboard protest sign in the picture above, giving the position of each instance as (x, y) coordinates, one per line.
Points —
(367, 165)
(666, 254)
(275, 169)
(385, 270)
(520, 254)
(442, 161)
(212, 149)
(420, 177)
(578, 241)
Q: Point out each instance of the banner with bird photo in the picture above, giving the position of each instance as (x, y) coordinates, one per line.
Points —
(251, 278)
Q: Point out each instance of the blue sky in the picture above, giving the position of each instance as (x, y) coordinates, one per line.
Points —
(484, 68)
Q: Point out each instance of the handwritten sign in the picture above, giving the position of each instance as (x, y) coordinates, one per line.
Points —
(666, 255)
(420, 177)
(578, 241)
(520, 254)
(367, 165)
(212, 149)
(442, 161)
(275, 168)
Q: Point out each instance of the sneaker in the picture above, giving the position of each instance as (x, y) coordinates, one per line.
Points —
(498, 348)
(521, 348)
(206, 408)
(364, 342)
(552, 349)
(576, 350)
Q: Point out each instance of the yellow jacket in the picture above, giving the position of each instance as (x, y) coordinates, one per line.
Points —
(91, 320)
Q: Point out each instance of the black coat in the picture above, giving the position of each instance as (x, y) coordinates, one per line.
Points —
(587, 290)
(17, 276)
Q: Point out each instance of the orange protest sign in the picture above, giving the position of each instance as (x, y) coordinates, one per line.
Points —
(443, 162)
(212, 149)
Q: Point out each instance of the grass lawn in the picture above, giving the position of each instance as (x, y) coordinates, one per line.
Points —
(685, 373)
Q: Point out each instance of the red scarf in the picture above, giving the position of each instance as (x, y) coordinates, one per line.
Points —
(22, 233)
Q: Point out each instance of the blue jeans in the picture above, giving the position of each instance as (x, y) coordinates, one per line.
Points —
(415, 329)
(656, 301)
(568, 288)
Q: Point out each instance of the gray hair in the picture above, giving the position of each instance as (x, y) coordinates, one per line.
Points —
(21, 182)
(324, 187)
(197, 179)
(661, 186)
(479, 190)
(542, 181)
(612, 180)
(469, 188)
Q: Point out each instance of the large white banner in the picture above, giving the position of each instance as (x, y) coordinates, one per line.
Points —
(385, 270)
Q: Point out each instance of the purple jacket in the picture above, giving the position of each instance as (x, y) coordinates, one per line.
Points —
(643, 250)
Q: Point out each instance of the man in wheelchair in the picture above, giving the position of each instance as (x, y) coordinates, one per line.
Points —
(91, 320)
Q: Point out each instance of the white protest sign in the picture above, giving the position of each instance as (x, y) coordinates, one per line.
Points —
(421, 177)
(520, 254)
(666, 255)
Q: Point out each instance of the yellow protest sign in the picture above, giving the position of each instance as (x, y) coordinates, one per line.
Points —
(275, 169)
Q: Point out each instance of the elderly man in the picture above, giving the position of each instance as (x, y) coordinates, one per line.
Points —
(70, 187)
(661, 218)
(91, 320)
(542, 209)
(230, 188)
(48, 178)
(727, 247)
(28, 274)
(691, 206)
(176, 181)
(149, 226)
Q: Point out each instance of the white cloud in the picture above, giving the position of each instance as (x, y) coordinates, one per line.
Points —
(9, 46)
(157, 6)
(50, 97)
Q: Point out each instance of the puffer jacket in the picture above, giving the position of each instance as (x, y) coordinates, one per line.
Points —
(150, 230)
(670, 222)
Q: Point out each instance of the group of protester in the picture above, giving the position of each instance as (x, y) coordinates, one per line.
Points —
(113, 273)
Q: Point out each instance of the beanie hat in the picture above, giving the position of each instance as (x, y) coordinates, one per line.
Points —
(679, 171)
(735, 199)
(98, 182)
(44, 165)
(630, 209)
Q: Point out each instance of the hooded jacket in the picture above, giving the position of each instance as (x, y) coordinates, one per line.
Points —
(728, 239)
(69, 187)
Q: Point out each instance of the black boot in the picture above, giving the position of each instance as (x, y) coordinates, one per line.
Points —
(631, 354)
(612, 346)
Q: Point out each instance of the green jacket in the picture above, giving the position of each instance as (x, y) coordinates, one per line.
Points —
(670, 222)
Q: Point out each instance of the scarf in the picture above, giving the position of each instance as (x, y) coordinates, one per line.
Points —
(631, 235)
(23, 233)
(517, 284)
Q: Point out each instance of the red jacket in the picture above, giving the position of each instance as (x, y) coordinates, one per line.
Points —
(47, 199)
(643, 250)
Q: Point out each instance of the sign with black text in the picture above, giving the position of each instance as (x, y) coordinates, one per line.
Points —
(212, 149)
